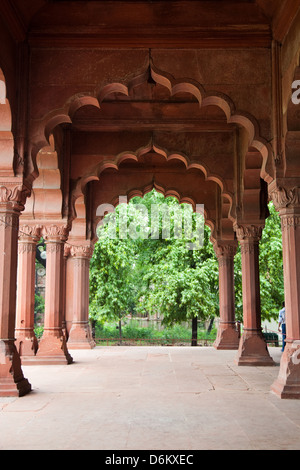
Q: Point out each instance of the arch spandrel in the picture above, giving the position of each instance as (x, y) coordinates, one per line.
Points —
(66, 113)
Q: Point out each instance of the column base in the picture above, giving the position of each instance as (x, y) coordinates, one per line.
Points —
(227, 337)
(12, 381)
(80, 336)
(26, 342)
(52, 349)
(287, 385)
(253, 350)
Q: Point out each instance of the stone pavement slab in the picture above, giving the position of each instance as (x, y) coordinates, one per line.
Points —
(150, 398)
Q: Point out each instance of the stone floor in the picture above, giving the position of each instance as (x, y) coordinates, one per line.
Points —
(136, 398)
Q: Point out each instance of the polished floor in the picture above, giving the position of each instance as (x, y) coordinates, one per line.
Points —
(149, 398)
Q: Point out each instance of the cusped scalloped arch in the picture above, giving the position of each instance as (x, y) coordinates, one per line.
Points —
(223, 102)
(66, 115)
(166, 192)
(137, 155)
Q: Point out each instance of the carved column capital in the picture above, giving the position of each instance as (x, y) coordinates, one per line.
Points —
(82, 251)
(248, 232)
(57, 232)
(29, 232)
(225, 249)
(284, 198)
(13, 195)
(287, 203)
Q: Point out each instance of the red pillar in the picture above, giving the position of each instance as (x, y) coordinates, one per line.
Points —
(53, 347)
(12, 381)
(287, 385)
(69, 289)
(253, 349)
(26, 341)
(228, 336)
(80, 335)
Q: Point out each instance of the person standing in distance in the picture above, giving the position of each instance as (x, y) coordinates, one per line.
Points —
(281, 325)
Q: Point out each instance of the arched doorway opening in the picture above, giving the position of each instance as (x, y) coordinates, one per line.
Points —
(222, 159)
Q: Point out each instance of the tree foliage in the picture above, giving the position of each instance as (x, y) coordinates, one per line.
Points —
(151, 275)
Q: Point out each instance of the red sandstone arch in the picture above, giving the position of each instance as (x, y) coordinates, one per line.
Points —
(255, 143)
(124, 157)
(137, 156)
(167, 192)
(40, 133)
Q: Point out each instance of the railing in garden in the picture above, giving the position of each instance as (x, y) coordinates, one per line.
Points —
(271, 339)
(152, 342)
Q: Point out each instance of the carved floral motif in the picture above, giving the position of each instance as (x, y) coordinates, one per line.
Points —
(248, 232)
(29, 232)
(228, 250)
(290, 221)
(56, 232)
(82, 251)
(284, 198)
(14, 194)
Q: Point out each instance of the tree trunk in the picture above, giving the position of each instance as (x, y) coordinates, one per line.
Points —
(120, 331)
(194, 331)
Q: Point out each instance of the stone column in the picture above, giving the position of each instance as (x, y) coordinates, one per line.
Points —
(64, 290)
(287, 202)
(69, 282)
(26, 341)
(253, 349)
(80, 334)
(12, 381)
(53, 347)
(228, 336)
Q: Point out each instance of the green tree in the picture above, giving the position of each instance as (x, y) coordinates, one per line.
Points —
(271, 266)
(154, 275)
(151, 274)
(111, 279)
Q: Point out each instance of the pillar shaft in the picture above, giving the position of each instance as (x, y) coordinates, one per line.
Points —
(12, 381)
(26, 341)
(228, 336)
(69, 291)
(252, 348)
(287, 202)
(80, 335)
(52, 347)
